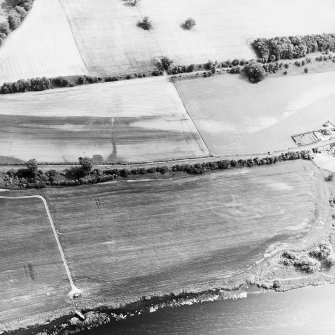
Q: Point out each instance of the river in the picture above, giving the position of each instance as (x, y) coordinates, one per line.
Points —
(303, 311)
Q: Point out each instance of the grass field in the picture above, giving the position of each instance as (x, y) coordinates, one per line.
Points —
(143, 238)
(110, 42)
(42, 46)
(140, 120)
(235, 117)
(67, 37)
(32, 275)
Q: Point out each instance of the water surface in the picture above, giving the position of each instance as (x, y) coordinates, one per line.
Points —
(304, 311)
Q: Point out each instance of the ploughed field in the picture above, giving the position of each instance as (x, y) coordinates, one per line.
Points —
(32, 276)
(127, 240)
(236, 117)
(139, 120)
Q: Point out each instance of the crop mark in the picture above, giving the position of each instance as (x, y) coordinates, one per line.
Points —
(97, 202)
(31, 271)
(75, 292)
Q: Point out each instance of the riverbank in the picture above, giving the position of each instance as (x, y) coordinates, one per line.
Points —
(99, 318)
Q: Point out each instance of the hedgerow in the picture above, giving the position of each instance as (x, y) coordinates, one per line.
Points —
(41, 84)
(32, 177)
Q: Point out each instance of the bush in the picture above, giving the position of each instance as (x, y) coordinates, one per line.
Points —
(235, 69)
(307, 264)
(32, 167)
(190, 68)
(306, 70)
(21, 12)
(209, 65)
(164, 64)
(189, 23)
(255, 72)
(145, 23)
(330, 177)
(124, 173)
(156, 73)
(133, 3)
(61, 82)
(4, 28)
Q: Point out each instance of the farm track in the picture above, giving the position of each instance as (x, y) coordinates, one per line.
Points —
(74, 289)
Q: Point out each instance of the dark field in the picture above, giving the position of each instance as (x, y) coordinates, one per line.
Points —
(116, 121)
(32, 275)
(113, 139)
(128, 240)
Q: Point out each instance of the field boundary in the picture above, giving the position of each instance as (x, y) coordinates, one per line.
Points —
(75, 41)
(203, 139)
(75, 292)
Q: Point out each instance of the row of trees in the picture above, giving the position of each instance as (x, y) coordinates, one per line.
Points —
(25, 85)
(293, 46)
(32, 177)
(15, 18)
(84, 173)
(44, 83)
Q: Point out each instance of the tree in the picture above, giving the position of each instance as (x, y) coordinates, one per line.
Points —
(4, 28)
(22, 12)
(86, 164)
(165, 64)
(32, 166)
(255, 72)
(61, 81)
(145, 24)
(14, 20)
(189, 23)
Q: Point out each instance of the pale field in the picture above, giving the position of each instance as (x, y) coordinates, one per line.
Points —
(236, 117)
(110, 42)
(325, 161)
(32, 276)
(128, 240)
(138, 120)
(42, 46)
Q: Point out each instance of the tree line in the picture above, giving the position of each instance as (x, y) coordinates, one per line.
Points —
(277, 48)
(15, 18)
(85, 173)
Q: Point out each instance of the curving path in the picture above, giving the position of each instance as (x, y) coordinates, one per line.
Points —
(75, 292)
